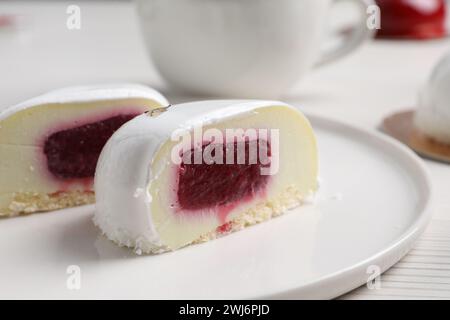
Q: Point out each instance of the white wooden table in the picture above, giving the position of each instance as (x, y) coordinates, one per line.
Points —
(41, 54)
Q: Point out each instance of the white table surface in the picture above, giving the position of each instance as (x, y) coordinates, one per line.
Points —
(41, 54)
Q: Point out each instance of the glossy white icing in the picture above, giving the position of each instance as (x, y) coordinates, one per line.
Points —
(89, 93)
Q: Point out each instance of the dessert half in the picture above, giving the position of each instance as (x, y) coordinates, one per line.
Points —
(201, 170)
(49, 145)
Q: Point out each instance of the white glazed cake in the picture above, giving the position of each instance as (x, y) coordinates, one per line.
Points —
(49, 145)
(432, 117)
(153, 196)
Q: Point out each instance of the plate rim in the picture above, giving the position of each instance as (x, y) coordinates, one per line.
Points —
(393, 252)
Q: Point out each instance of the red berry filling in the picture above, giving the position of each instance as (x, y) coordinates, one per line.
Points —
(73, 153)
(202, 186)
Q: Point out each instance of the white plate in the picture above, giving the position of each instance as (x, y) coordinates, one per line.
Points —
(373, 203)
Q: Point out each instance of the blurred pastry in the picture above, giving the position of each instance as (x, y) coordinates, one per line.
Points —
(433, 114)
(427, 129)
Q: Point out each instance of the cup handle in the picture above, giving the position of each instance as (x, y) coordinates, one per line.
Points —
(356, 37)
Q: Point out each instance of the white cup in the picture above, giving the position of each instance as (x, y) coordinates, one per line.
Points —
(241, 48)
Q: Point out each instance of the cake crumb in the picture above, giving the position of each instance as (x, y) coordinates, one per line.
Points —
(319, 182)
(138, 192)
(311, 198)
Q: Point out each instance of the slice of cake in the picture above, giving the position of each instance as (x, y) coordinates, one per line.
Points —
(200, 170)
(49, 145)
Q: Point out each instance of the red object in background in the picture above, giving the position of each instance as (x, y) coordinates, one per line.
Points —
(6, 20)
(416, 19)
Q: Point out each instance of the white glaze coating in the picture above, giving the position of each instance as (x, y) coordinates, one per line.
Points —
(433, 114)
(123, 208)
(89, 93)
